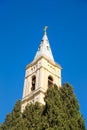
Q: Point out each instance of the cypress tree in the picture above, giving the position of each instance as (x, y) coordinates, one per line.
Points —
(54, 112)
(74, 119)
(32, 116)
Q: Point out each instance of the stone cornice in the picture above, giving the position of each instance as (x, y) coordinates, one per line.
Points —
(51, 62)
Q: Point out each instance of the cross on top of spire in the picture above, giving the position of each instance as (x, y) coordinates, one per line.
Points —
(45, 29)
(44, 48)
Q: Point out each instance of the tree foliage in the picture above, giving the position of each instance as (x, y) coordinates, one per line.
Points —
(61, 112)
(32, 116)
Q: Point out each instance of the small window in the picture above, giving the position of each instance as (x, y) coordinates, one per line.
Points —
(33, 83)
(47, 47)
(50, 81)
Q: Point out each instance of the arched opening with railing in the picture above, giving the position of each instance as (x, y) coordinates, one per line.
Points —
(50, 81)
(33, 83)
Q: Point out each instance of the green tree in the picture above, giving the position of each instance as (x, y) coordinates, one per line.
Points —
(53, 111)
(74, 119)
(8, 122)
(61, 111)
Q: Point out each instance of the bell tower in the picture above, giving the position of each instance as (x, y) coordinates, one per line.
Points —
(41, 73)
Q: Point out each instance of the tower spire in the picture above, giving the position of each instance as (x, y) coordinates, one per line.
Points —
(44, 48)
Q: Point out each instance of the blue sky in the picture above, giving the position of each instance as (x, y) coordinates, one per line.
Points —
(21, 30)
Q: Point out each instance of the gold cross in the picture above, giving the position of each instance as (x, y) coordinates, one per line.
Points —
(45, 29)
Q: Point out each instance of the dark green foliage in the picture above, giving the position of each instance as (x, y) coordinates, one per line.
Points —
(32, 116)
(61, 112)
(71, 106)
(53, 109)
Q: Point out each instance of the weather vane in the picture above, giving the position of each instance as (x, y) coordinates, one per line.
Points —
(45, 29)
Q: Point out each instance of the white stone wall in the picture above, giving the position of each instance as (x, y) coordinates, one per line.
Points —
(42, 68)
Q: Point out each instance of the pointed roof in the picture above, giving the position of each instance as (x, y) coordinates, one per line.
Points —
(44, 48)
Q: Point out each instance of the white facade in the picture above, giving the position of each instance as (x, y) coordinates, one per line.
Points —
(39, 74)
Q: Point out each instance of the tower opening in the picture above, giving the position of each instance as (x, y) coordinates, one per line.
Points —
(50, 81)
(33, 83)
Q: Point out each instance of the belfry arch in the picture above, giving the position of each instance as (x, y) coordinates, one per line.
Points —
(33, 82)
(50, 80)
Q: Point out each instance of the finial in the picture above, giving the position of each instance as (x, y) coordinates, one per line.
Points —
(45, 28)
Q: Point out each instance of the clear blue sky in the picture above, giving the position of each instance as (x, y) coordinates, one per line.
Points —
(21, 30)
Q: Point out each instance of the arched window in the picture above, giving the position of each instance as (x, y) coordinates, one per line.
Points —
(33, 83)
(50, 80)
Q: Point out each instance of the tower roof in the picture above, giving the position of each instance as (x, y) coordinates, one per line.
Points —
(44, 48)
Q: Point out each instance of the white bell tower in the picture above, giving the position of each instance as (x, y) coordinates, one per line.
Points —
(40, 74)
